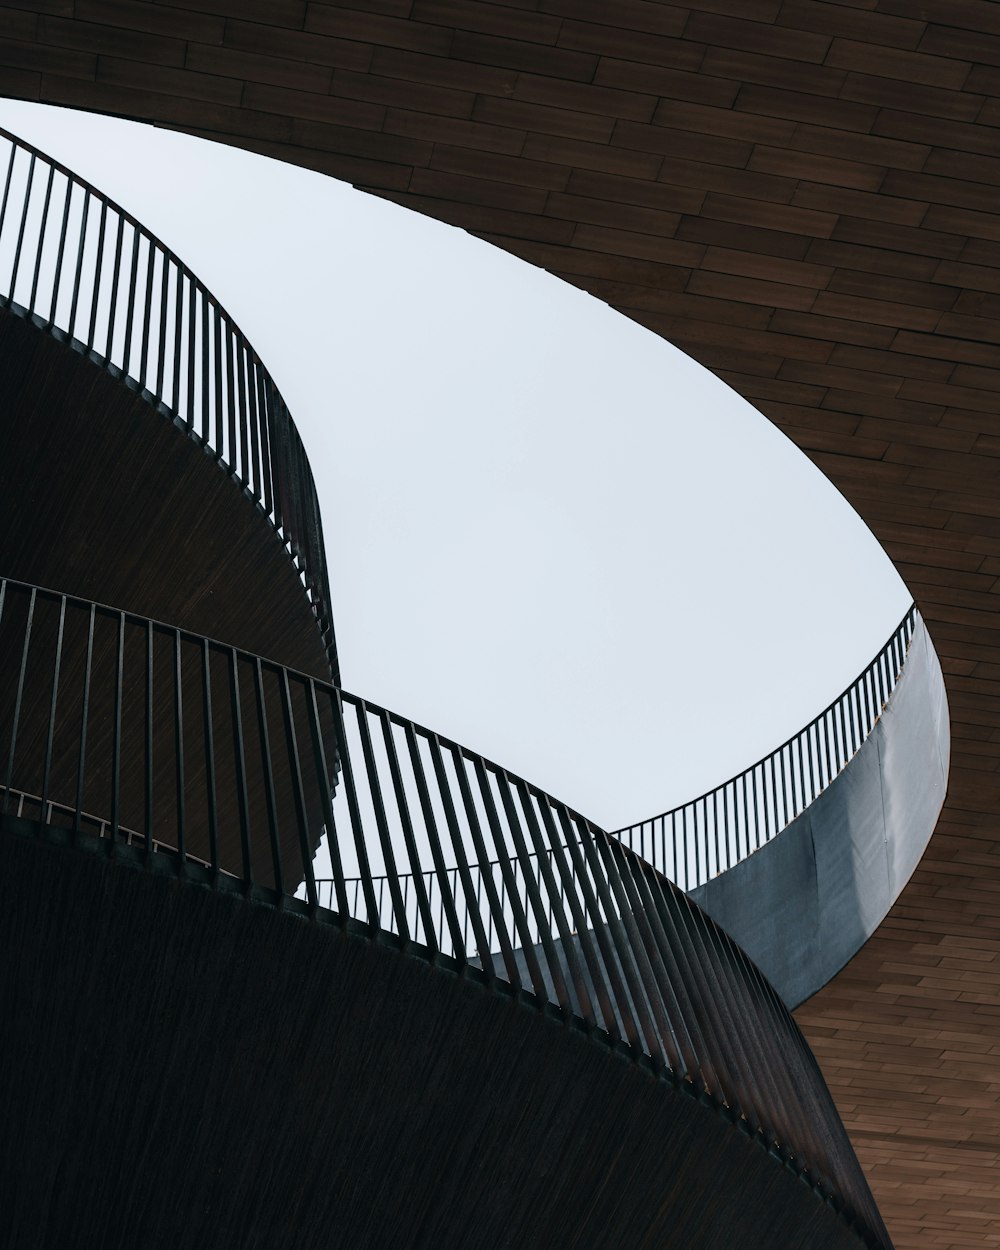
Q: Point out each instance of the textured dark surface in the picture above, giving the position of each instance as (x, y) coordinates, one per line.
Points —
(800, 194)
(104, 498)
(259, 1080)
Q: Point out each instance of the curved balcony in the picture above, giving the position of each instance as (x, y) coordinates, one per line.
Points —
(148, 454)
(596, 938)
(695, 842)
(161, 796)
(817, 839)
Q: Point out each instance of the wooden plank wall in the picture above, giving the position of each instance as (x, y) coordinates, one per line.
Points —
(802, 195)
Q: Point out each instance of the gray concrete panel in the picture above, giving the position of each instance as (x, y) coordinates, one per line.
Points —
(807, 901)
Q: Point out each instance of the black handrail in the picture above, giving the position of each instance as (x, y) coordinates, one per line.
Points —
(216, 765)
(84, 269)
(785, 782)
(696, 841)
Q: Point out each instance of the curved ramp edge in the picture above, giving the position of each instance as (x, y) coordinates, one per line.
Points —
(805, 903)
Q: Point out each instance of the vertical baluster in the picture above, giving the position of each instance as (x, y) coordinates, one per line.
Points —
(241, 403)
(98, 267)
(255, 477)
(41, 238)
(161, 346)
(50, 731)
(78, 267)
(84, 718)
(447, 907)
(146, 311)
(57, 277)
(298, 791)
(148, 734)
(16, 718)
(116, 730)
(273, 831)
(6, 187)
(413, 855)
(209, 736)
(323, 774)
(133, 287)
(381, 823)
(24, 222)
(115, 282)
(179, 750)
(508, 876)
(220, 414)
(239, 753)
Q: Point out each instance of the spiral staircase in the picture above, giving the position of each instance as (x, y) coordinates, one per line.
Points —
(496, 1025)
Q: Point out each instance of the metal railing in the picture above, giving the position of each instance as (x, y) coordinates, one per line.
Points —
(191, 750)
(82, 268)
(693, 843)
(730, 822)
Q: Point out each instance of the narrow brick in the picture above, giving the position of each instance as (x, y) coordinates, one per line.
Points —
(542, 119)
(844, 200)
(747, 127)
(22, 54)
(399, 93)
(603, 157)
(781, 41)
(257, 68)
(771, 71)
(751, 291)
(500, 168)
(801, 106)
(634, 15)
(534, 58)
(170, 81)
(666, 197)
(866, 58)
(769, 216)
(359, 142)
(488, 19)
(156, 19)
(608, 213)
(627, 45)
(881, 312)
(644, 246)
(377, 28)
(674, 84)
(465, 190)
(813, 169)
(748, 238)
(440, 71)
(296, 45)
(313, 106)
(455, 132)
(912, 97)
(848, 22)
(584, 97)
(286, 13)
(94, 37)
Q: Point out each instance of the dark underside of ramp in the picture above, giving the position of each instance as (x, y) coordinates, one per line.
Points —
(103, 497)
(184, 1068)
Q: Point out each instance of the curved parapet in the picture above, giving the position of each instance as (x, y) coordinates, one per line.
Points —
(809, 899)
(695, 842)
(148, 459)
(589, 934)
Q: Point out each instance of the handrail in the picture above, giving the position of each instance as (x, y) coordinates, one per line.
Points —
(214, 753)
(840, 728)
(694, 842)
(85, 270)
